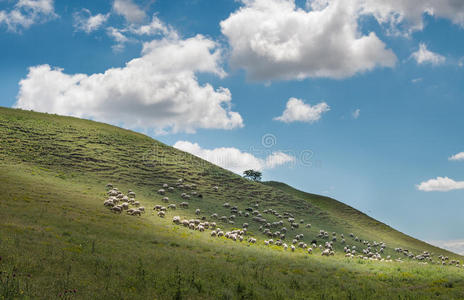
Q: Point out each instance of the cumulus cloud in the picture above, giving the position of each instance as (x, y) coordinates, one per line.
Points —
(233, 159)
(25, 13)
(440, 184)
(424, 56)
(356, 113)
(298, 111)
(403, 17)
(458, 157)
(274, 39)
(158, 90)
(129, 10)
(84, 21)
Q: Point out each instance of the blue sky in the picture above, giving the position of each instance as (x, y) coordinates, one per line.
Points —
(211, 77)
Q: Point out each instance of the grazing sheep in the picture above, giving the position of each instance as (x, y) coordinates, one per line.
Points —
(226, 205)
(184, 205)
(116, 209)
(213, 233)
(161, 191)
(131, 194)
(214, 216)
(252, 240)
(165, 186)
(142, 209)
(176, 220)
(170, 189)
(292, 248)
(137, 203)
(109, 203)
(310, 250)
(165, 199)
(326, 252)
(172, 206)
(125, 206)
(215, 188)
(157, 207)
(285, 246)
(197, 211)
(109, 186)
(161, 214)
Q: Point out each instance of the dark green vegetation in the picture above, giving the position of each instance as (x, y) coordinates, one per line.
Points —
(58, 241)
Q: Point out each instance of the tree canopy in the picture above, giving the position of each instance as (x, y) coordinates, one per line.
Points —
(252, 175)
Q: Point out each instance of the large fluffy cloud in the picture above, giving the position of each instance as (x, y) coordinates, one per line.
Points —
(26, 13)
(158, 90)
(298, 111)
(425, 56)
(440, 184)
(274, 39)
(233, 159)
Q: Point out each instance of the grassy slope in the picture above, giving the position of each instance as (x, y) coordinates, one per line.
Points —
(355, 221)
(54, 227)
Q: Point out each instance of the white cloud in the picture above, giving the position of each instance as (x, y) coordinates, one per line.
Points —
(25, 13)
(274, 39)
(118, 36)
(158, 90)
(456, 246)
(416, 80)
(406, 16)
(297, 110)
(129, 10)
(233, 159)
(356, 113)
(84, 21)
(440, 184)
(424, 56)
(156, 26)
(277, 159)
(132, 32)
(458, 157)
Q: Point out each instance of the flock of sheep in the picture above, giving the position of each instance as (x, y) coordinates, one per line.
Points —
(276, 232)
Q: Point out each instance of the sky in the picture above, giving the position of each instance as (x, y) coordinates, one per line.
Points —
(359, 100)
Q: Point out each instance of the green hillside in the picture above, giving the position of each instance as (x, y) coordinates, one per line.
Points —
(57, 240)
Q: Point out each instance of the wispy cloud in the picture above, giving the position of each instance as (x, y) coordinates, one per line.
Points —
(457, 157)
(425, 56)
(356, 113)
(456, 246)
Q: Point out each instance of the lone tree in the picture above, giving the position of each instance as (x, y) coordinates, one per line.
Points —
(252, 175)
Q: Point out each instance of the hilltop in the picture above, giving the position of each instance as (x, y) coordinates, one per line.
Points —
(53, 172)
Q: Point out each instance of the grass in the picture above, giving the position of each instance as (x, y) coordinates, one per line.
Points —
(58, 241)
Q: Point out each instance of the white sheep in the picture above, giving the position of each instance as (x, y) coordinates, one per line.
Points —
(165, 199)
(161, 191)
(197, 211)
(161, 214)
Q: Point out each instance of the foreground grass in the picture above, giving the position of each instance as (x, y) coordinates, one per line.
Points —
(56, 237)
